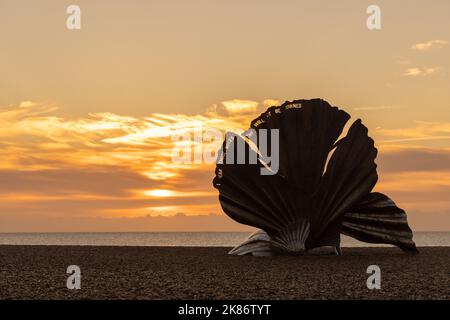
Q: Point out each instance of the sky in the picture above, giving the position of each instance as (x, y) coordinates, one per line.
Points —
(87, 116)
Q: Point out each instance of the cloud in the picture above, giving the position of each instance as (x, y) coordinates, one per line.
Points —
(415, 172)
(413, 72)
(419, 221)
(425, 71)
(376, 108)
(95, 181)
(424, 191)
(177, 222)
(34, 138)
(106, 165)
(26, 104)
(237, 106)
(414, 159)
(432, 44)
(271, 102)
(422, 131)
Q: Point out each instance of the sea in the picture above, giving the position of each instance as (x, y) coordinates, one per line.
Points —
(175, 239)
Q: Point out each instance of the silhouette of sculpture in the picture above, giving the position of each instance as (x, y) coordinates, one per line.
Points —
(322, 187)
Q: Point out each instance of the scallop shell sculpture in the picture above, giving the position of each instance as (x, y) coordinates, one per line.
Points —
(322, 188)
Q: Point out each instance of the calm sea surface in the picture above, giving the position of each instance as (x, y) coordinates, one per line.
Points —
(202, 239)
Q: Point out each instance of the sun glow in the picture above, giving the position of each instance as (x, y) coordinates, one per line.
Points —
(160, 193)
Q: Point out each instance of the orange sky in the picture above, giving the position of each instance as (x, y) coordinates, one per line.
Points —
(86, 117)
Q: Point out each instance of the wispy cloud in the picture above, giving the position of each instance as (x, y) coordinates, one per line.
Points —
(158, 223)
(108, 164)
(376, 108)
(422, 131)
(429, 45)
(424, 71)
